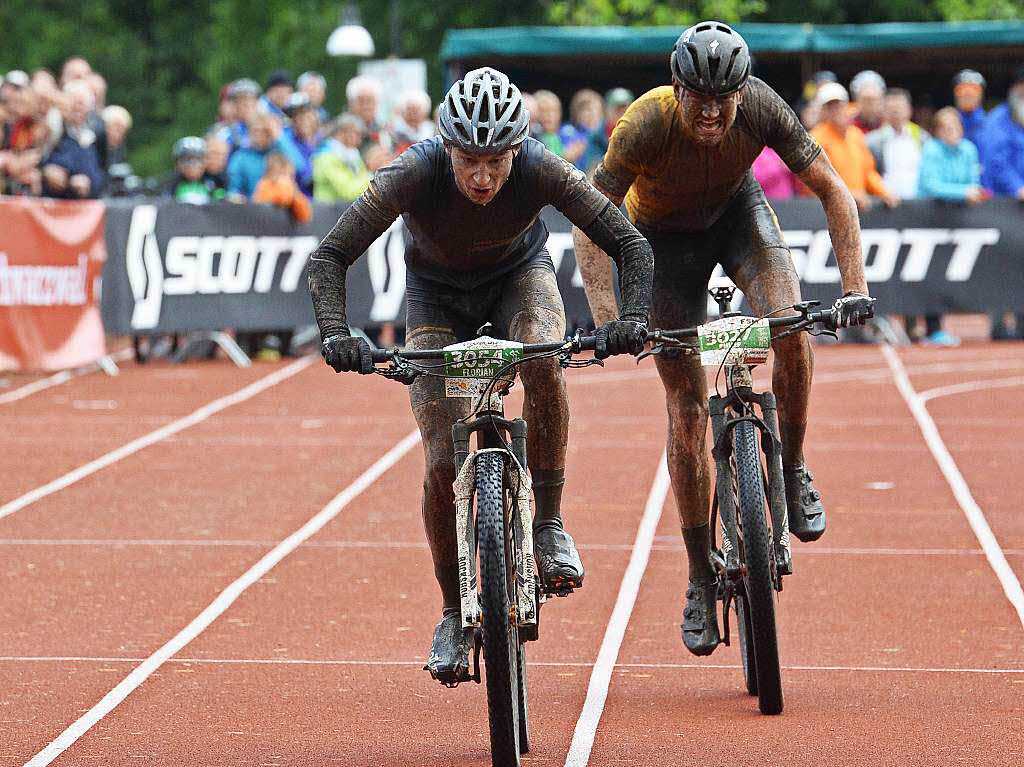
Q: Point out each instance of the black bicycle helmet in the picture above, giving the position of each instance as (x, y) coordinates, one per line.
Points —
(189, 147)
(484, 113)
(711, 58)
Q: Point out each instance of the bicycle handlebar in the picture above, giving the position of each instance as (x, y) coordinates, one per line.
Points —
(574, 345)
(806, 318)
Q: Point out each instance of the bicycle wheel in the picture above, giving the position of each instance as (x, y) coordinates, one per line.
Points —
(746, 642)
(758, 582)
(501, 638)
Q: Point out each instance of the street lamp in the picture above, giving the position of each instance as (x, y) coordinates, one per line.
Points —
(351, 37)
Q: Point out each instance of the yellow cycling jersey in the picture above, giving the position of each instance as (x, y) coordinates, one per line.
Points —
(672, 184)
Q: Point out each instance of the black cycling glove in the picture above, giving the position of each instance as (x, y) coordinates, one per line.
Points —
(347, 353)
(852, 309)
(619, 337)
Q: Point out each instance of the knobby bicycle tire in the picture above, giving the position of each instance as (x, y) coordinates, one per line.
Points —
(501, 639)
(758, 583)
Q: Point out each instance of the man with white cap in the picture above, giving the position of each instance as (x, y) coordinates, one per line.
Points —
(845, 146)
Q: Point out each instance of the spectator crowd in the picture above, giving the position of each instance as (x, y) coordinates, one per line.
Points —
(277, 144)
(958, 154)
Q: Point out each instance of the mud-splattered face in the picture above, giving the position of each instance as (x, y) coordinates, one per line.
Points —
(481, 176)
(706, 119)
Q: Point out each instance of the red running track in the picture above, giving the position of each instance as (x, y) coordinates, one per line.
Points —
(899, 643)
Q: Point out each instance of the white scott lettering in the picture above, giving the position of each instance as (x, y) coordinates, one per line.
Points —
(812, 253)
(205, 265)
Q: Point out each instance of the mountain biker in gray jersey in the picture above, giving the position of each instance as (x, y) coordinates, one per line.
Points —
(681, 159)
(470, 199)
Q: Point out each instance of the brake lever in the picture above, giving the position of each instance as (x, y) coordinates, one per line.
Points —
(404, 374)
(823, 332)
(664, 345)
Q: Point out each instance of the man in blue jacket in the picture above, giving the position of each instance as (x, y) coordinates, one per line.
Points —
(1001, 145)
(968, 91)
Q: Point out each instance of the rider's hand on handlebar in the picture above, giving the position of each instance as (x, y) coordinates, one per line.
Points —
(619, 337)
(852, 309)
(347, 353)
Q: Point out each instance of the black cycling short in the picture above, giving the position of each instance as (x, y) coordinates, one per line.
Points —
(746, 241)
(439, 314)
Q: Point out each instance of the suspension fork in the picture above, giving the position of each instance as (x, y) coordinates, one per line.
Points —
(724, 482)
(772, 446)
(485, 425)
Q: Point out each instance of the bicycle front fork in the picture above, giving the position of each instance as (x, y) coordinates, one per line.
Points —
(724, 412)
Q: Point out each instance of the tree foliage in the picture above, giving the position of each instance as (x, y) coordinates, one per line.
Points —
(167, 60)
(649, 12)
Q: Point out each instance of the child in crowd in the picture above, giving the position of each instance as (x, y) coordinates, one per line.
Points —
(190, 183)
(278, 187)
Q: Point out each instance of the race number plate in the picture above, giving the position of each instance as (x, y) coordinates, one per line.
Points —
(734, 341)
(468, 366)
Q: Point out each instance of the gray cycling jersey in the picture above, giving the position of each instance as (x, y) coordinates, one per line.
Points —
(461, 244)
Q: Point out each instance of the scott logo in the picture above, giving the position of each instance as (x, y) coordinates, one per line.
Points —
(812, 253)
(205, 265)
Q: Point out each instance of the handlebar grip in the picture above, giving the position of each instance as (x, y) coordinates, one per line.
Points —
(825, 317)
(588, 343)
(380, 355)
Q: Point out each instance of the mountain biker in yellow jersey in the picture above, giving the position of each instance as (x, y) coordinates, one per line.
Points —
(470, 199)
(681, 158)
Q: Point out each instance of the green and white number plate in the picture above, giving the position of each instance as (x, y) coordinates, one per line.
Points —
(469, 365)
(734, 341)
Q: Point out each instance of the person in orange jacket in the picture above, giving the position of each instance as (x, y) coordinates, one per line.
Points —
(845, 146)
(278, 187)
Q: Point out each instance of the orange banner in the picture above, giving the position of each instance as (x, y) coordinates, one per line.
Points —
(51, 258)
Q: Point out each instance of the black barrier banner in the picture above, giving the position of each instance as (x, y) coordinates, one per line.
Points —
(177, 267)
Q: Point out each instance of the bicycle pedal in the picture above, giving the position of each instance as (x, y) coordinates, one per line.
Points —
(562, 587)
(783, 561)
(451, 682)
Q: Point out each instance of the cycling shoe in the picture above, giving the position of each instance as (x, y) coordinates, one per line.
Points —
(803, 501)
(561, 570)
(700, 617)
(449, 652)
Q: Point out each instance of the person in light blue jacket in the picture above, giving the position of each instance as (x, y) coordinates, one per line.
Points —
(246, 166)
(949, 171)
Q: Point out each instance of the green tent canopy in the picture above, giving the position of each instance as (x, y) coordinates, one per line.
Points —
(462, 44)
(919, 56)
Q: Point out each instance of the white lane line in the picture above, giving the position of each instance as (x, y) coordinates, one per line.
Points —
(57, 379)
(969, 386)
(867, 374)
(975, 516)
(163, 432)
(223, 601)
(539, 664)
(866, 669)
(600, 678)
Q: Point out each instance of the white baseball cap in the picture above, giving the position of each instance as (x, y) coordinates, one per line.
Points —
(831, 92)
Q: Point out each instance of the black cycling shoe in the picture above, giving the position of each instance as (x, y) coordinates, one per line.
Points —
(559, 563)
(449, 652)
(806, 511)
(700, 617)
